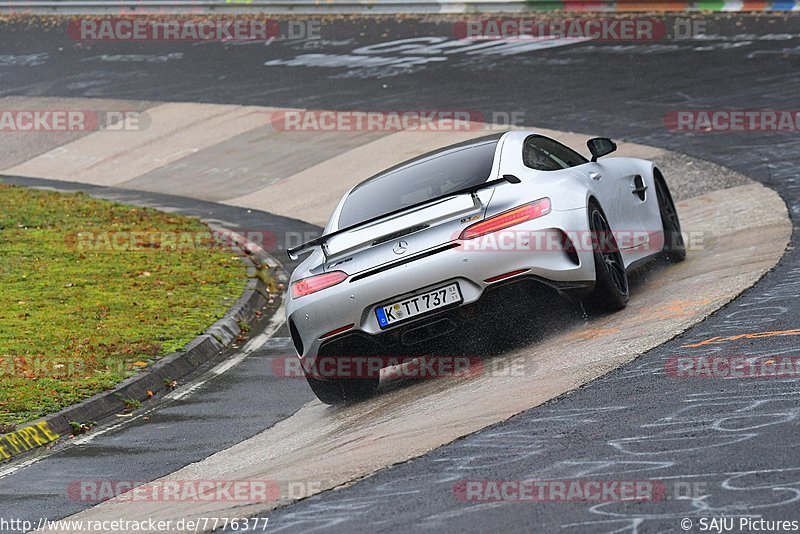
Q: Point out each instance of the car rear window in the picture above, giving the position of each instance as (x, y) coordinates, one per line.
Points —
(422, 179)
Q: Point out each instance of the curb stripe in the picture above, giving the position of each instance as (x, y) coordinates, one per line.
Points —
(26, 439)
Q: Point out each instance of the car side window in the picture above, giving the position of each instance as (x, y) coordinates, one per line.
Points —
(545, 154)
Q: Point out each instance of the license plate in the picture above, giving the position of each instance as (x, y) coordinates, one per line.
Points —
(417, 305)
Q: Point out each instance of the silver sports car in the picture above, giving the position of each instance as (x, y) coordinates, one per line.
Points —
(408, 250)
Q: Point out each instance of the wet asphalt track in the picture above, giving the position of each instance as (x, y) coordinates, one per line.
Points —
(732, 441)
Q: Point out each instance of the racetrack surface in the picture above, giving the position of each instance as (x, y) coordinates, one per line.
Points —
(623, 415)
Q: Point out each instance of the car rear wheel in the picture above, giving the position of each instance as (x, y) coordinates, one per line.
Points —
(674, 247)
(611, 289)
(341, 390)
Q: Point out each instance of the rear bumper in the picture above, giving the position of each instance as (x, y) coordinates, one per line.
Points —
(410, 339)
(354, 300)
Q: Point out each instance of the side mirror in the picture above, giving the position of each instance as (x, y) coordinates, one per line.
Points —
(600, 146)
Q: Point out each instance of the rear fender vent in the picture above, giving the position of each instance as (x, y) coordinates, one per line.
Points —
(296, 339)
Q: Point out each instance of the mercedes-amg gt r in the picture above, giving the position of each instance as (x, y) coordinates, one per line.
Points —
(409, 248)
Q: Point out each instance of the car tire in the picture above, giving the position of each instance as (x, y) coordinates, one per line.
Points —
(342, 390)
(674, 249)
(611, 289)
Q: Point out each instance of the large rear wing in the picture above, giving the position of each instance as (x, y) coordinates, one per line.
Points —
(295, 252)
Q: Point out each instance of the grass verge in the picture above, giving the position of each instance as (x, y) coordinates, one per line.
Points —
(92, 291)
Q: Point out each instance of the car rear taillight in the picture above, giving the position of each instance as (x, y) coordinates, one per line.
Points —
(312, 284)
(508, 218)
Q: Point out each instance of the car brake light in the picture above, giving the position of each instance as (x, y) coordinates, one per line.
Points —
(312, 284)
(508, 218)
